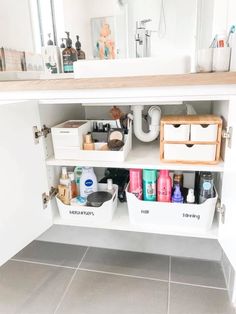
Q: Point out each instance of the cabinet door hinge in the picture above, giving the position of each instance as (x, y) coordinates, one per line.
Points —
(227, 134)
(46, 198)
(39, 133)
(221, 209)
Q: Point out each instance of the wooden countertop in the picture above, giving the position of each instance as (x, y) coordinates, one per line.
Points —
(220, 78)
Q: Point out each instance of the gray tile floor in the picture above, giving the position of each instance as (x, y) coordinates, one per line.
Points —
(49, 278)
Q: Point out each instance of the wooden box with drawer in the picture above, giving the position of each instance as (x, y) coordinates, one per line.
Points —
(194, 139)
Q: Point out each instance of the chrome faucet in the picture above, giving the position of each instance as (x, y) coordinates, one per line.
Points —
(142, 39)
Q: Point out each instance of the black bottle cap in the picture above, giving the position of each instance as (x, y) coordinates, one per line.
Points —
(68, 40)
(62, 43)
(50, 42)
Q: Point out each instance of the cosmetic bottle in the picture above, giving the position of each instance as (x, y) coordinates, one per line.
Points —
(190, 197)
(69, 55)
(88, 142)
(135, 183)
(62, 47)
(64, 188)
(149, 185)
(88, 182)
(51, 57)
(164, 186)
(78, 173)
(110, 188)
(177, 196)
(206, 187)
(64, 179)
(178, 178)
(73, 186)
(80, 53)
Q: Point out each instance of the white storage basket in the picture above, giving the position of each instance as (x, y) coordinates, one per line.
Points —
(87, 214)
(176, 215)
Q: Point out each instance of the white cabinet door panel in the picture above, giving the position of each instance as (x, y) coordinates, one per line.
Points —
(227, 230)
(22, 179)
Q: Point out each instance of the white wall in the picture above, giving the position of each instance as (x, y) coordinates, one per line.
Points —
(77, 19)
(15, 25)
(180, 16)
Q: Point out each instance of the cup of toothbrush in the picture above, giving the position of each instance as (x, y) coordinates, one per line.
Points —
(204, 60)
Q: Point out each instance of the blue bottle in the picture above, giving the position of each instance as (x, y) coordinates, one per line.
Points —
(177, 196)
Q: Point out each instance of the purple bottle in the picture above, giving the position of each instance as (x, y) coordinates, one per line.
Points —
(177, 196)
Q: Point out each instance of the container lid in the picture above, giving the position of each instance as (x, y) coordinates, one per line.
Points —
(149, 174)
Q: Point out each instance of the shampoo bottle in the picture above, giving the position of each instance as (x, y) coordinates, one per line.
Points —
(69, 55)
(88, 182)
(164, 186)
(149, 185)
(177, 196)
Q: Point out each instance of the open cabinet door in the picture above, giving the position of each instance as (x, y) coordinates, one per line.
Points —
(227, 229)
(23, 179)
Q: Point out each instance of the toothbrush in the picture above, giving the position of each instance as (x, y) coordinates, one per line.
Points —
(231, 31)
(213, 43)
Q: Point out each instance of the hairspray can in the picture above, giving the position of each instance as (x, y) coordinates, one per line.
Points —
(149, 185)
(135, 183)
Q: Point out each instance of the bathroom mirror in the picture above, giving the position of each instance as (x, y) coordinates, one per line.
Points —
(125, 28)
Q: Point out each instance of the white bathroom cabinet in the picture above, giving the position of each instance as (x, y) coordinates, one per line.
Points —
(28, 169)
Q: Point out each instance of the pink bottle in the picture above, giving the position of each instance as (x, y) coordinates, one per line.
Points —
(164, 186)
(135, 183)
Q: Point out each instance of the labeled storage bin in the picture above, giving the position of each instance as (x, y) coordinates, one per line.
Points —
(176, 215)
(202, 139)
(87, 214)
(70, 145)
(176, 132)
(204, 132)
(189, 152)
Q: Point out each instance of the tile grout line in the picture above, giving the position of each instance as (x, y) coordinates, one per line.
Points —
(69, 284)
(200, 286)
(122, 275)
(40, 263)
(169, 280)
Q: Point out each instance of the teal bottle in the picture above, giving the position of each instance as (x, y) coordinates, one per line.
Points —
(150, 185)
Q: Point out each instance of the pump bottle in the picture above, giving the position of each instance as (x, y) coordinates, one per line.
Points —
(69, 55)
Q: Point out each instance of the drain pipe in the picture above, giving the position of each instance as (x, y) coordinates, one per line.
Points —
(154, 128)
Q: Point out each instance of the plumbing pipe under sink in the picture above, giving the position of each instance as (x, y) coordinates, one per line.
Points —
(154, 128)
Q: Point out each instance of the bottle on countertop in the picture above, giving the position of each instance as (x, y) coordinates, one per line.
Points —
(88, 182)
(62, 47)
(69, 55)
(164, 186)
(149, 185)
(80, 53)
(51, 57)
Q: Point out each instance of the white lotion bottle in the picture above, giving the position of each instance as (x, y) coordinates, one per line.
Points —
(88, 182)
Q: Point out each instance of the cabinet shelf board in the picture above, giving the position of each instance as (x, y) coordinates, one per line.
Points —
(121, 222)
(143, 156)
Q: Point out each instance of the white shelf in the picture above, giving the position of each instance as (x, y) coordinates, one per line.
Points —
(142, 155)
(121, 222)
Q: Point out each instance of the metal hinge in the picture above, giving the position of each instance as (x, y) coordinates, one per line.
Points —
(221, 209)
(39, 133)
(227, 134)
(46, 198)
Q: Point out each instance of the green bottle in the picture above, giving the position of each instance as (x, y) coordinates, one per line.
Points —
(150, 185)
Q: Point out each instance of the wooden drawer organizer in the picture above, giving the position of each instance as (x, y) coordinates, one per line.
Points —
(204, 146)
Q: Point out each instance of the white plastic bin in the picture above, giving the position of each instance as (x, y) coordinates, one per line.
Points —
(204, 132)
(69, 134)
(176, 132)
(76, 152)
(87, 214)
(185, 152)
(178, 216)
